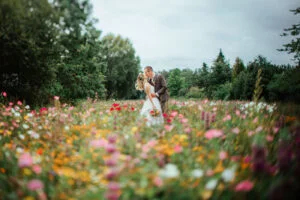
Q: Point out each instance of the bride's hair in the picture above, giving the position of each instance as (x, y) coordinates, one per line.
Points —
(140, 81)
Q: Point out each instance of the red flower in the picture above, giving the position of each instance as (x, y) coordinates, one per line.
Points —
(115, 106)
(43, 110)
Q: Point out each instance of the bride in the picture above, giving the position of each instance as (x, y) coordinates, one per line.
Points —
(151, 108)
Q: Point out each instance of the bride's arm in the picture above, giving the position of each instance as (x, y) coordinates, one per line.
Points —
(149, 94)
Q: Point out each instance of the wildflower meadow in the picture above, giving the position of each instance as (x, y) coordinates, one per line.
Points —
(104, 150)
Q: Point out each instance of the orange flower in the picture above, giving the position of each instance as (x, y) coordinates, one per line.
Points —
(39, 151)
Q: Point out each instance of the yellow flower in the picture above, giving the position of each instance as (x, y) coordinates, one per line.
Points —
(29, 198)
(27, 172)
(219, 168)
(134, 129)
(71, 182)
(206, 194)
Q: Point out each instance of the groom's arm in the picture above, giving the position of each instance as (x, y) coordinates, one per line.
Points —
(163, 85)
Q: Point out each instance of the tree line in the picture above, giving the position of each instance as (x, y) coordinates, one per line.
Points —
(52, 48)
(259, 80)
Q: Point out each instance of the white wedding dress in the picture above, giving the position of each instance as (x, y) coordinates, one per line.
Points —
(147, 107)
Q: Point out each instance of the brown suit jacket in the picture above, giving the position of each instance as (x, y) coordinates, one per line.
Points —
(160, 87)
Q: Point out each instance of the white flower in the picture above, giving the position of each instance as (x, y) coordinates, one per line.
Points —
(21, 136)
(25, 126)
(197, 173)
(35, 136)
(17, 114)
(30, 132)
(228, 175)
(210, 185)
(170, 171)
(29, 114)
(19, 150)
(67, 128)
(27, 107)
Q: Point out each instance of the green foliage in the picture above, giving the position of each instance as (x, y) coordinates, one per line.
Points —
(122, 67)
(223, 91)
(238, 67)
(195, 92)
(294, 46)
(28, 48)
(285, 86)
(175, 82)
(258, 87)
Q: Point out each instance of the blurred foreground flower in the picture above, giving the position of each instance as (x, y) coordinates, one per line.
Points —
(244, 186)
(169, 171)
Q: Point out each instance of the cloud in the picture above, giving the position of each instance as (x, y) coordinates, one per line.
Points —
(177, 33)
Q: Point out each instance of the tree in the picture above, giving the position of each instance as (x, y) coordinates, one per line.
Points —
(238, 67)
(175, 82)
(28, 48)
(221, 72)
(82, 66)
(294, 46)
(122, 67)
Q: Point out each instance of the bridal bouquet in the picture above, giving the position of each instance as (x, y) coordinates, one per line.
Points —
(154, 112)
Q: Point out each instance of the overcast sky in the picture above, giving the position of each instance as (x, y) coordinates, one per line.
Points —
(185, 33)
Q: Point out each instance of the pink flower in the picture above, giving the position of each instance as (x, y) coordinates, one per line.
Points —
(174, 113)
(213, 133)
(25, 160)
(247, 159)
(269, 138)
(98, 143)
(250, 133)
(275, 129)
(4, 94)
(236, 130)
(228, 117)
(56, 98)
(244, 186)
(113, 186)
(259, 129)
(222, 155)
(111, 148)
(111, 195)
(187, 130)
(178, 149)
(111, 162)
(112, 139)
(210, 172)
(37, 169)
(19, 103)
(112, 173)
(152, 143)
(255, 120)
(184, 120)
(238, 112)
(158, 181)
(35, 184)
(168, 127)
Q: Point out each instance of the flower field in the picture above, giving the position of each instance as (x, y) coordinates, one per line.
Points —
(104, 150)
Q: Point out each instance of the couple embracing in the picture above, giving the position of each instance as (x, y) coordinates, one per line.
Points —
(155, 87)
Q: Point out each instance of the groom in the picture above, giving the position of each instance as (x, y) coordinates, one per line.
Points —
(160, 87)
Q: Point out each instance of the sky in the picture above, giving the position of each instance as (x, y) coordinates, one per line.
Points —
(168, 34)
